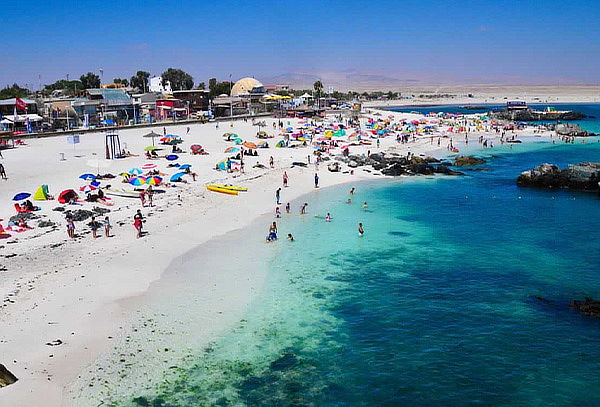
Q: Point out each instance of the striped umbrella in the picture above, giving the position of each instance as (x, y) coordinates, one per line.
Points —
(154, 180)
(148, 166)
(137, 181)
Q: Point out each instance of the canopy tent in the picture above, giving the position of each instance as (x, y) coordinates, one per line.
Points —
(66, 195)
(41, 194)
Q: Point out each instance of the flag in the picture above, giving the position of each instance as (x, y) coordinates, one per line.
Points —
(20, 104)
(86, 120)
(28, 123)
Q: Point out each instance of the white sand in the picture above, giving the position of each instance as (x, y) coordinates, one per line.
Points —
(77, 291)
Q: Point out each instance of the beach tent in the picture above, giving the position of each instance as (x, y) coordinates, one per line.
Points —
(41, 194)
(222, 165)
(66, 195)
(280, 144)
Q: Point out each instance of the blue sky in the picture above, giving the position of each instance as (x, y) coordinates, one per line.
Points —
(430, 41)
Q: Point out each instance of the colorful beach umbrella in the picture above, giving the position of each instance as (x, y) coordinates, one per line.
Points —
(87, 188)
(154, 180)
(232, 149)
(135, 171)
(137, 181)
(248, 144)
(21, 196)
(148, 166)
(184, 166)
(150, 148)
(172, 157)
(195, 147)
(95, 183)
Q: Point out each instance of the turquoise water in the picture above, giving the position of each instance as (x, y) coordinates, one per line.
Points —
(434, 306)
(590, 124)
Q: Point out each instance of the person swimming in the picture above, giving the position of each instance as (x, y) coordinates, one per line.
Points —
(328, 217)
(290, 237)
(349, 201)
(361, 230)
(365, 205)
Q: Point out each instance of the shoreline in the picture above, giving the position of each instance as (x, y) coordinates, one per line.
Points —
(67, 316)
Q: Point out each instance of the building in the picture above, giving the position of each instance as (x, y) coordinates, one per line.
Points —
(516, 105)
(170, 108)
(115, 106)
(277, 88)
(248, 87)
(24, 116)
(157, 85)
(196, 100)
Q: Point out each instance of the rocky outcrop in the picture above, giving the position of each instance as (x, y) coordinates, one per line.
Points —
(587, 307)
(6, 377)
(528, 115)
(394, 164)
(583, 176)
(571, 130)
(333, 166)
(467, 161)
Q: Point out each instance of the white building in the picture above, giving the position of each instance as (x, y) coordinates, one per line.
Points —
(156, 85)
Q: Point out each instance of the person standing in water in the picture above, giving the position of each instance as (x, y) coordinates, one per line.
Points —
(287, 208)
(303, 208)
(365, 205)
(361, 230)
(316, 180)
(278, 195)
(328, 217)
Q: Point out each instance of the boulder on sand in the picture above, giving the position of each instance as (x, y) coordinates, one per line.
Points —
(334, 166)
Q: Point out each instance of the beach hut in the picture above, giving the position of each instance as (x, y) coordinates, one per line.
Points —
(41, 194)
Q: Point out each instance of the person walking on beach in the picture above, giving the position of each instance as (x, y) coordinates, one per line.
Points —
(107, 227)
(361, 230)
(137, 224)
(316, 180)
(278, 195)
(142, 196)
(150, 193)
(70, 227)
(285, 179)
(187, 131)
(2, 172)
(271, 162)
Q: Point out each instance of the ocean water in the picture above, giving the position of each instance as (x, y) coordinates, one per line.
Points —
(434, 306)
(591, 124)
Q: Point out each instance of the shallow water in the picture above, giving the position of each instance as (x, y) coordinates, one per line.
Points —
(434, 305)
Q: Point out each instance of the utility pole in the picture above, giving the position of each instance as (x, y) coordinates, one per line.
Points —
(230, 97)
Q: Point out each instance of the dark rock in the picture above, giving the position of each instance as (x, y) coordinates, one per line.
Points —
(46, 224)
(377, 157)
(587, 307)
(571, 130)
(6, 377)
(442, 169)
(467, 161)
(334, 166)
(80, 214)
(394, 170)
(528, 115)
(100, 211)
(25, 215)
(59, 209)
(352, 164)
(584, 176)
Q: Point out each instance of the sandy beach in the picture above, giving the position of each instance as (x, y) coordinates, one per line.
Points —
(66, 302)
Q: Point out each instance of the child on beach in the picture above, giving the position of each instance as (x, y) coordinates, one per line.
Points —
(107, 227)
(316, 180)
(287, 208)
(277, 212)
(94, 225)
(70, 227)
(303, 208)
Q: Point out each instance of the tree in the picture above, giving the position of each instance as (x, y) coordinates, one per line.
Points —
(70, 87)
(90, 80)
(178, 79)
(14, 91)
(318, 87)
(218, 88)
(201, 86)
(123, 82)
(140, 81)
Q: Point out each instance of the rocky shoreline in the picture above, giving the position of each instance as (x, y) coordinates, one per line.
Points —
(393, 164)
(528, 115)
(583, 176)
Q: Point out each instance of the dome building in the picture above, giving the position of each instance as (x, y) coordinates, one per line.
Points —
(248, 87)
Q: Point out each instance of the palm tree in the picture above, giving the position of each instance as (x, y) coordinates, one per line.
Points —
(318, 86)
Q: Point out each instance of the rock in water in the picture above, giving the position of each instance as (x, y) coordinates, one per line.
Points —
(6, 377)
(584, 176)
(588, 307)
(467, 161)
(571, 130)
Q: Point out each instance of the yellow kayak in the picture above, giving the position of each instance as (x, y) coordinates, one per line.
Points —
(231, 187)
(214, 188)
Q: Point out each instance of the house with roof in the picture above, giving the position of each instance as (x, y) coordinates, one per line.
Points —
(114, 106)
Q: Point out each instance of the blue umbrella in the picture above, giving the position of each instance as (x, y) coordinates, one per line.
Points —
(95, 183)
(171, 157)
(177, 176)
(87, 177)
(21, 196)
(184, 166)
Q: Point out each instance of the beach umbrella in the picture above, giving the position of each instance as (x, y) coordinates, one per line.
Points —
(150, 148)
(248, 144)
(87, 188)
(21, 196)
(172, 157)
(87, 177)
(95, 183)
(184, 166)
(232, 149)
(177, 176)
(154, 180)
(148, 166)
(135, 171)
(152, 135)
(137, 181)
(196, 147)
(238, 141)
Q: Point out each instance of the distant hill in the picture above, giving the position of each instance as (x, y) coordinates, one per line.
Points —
(341, 81)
